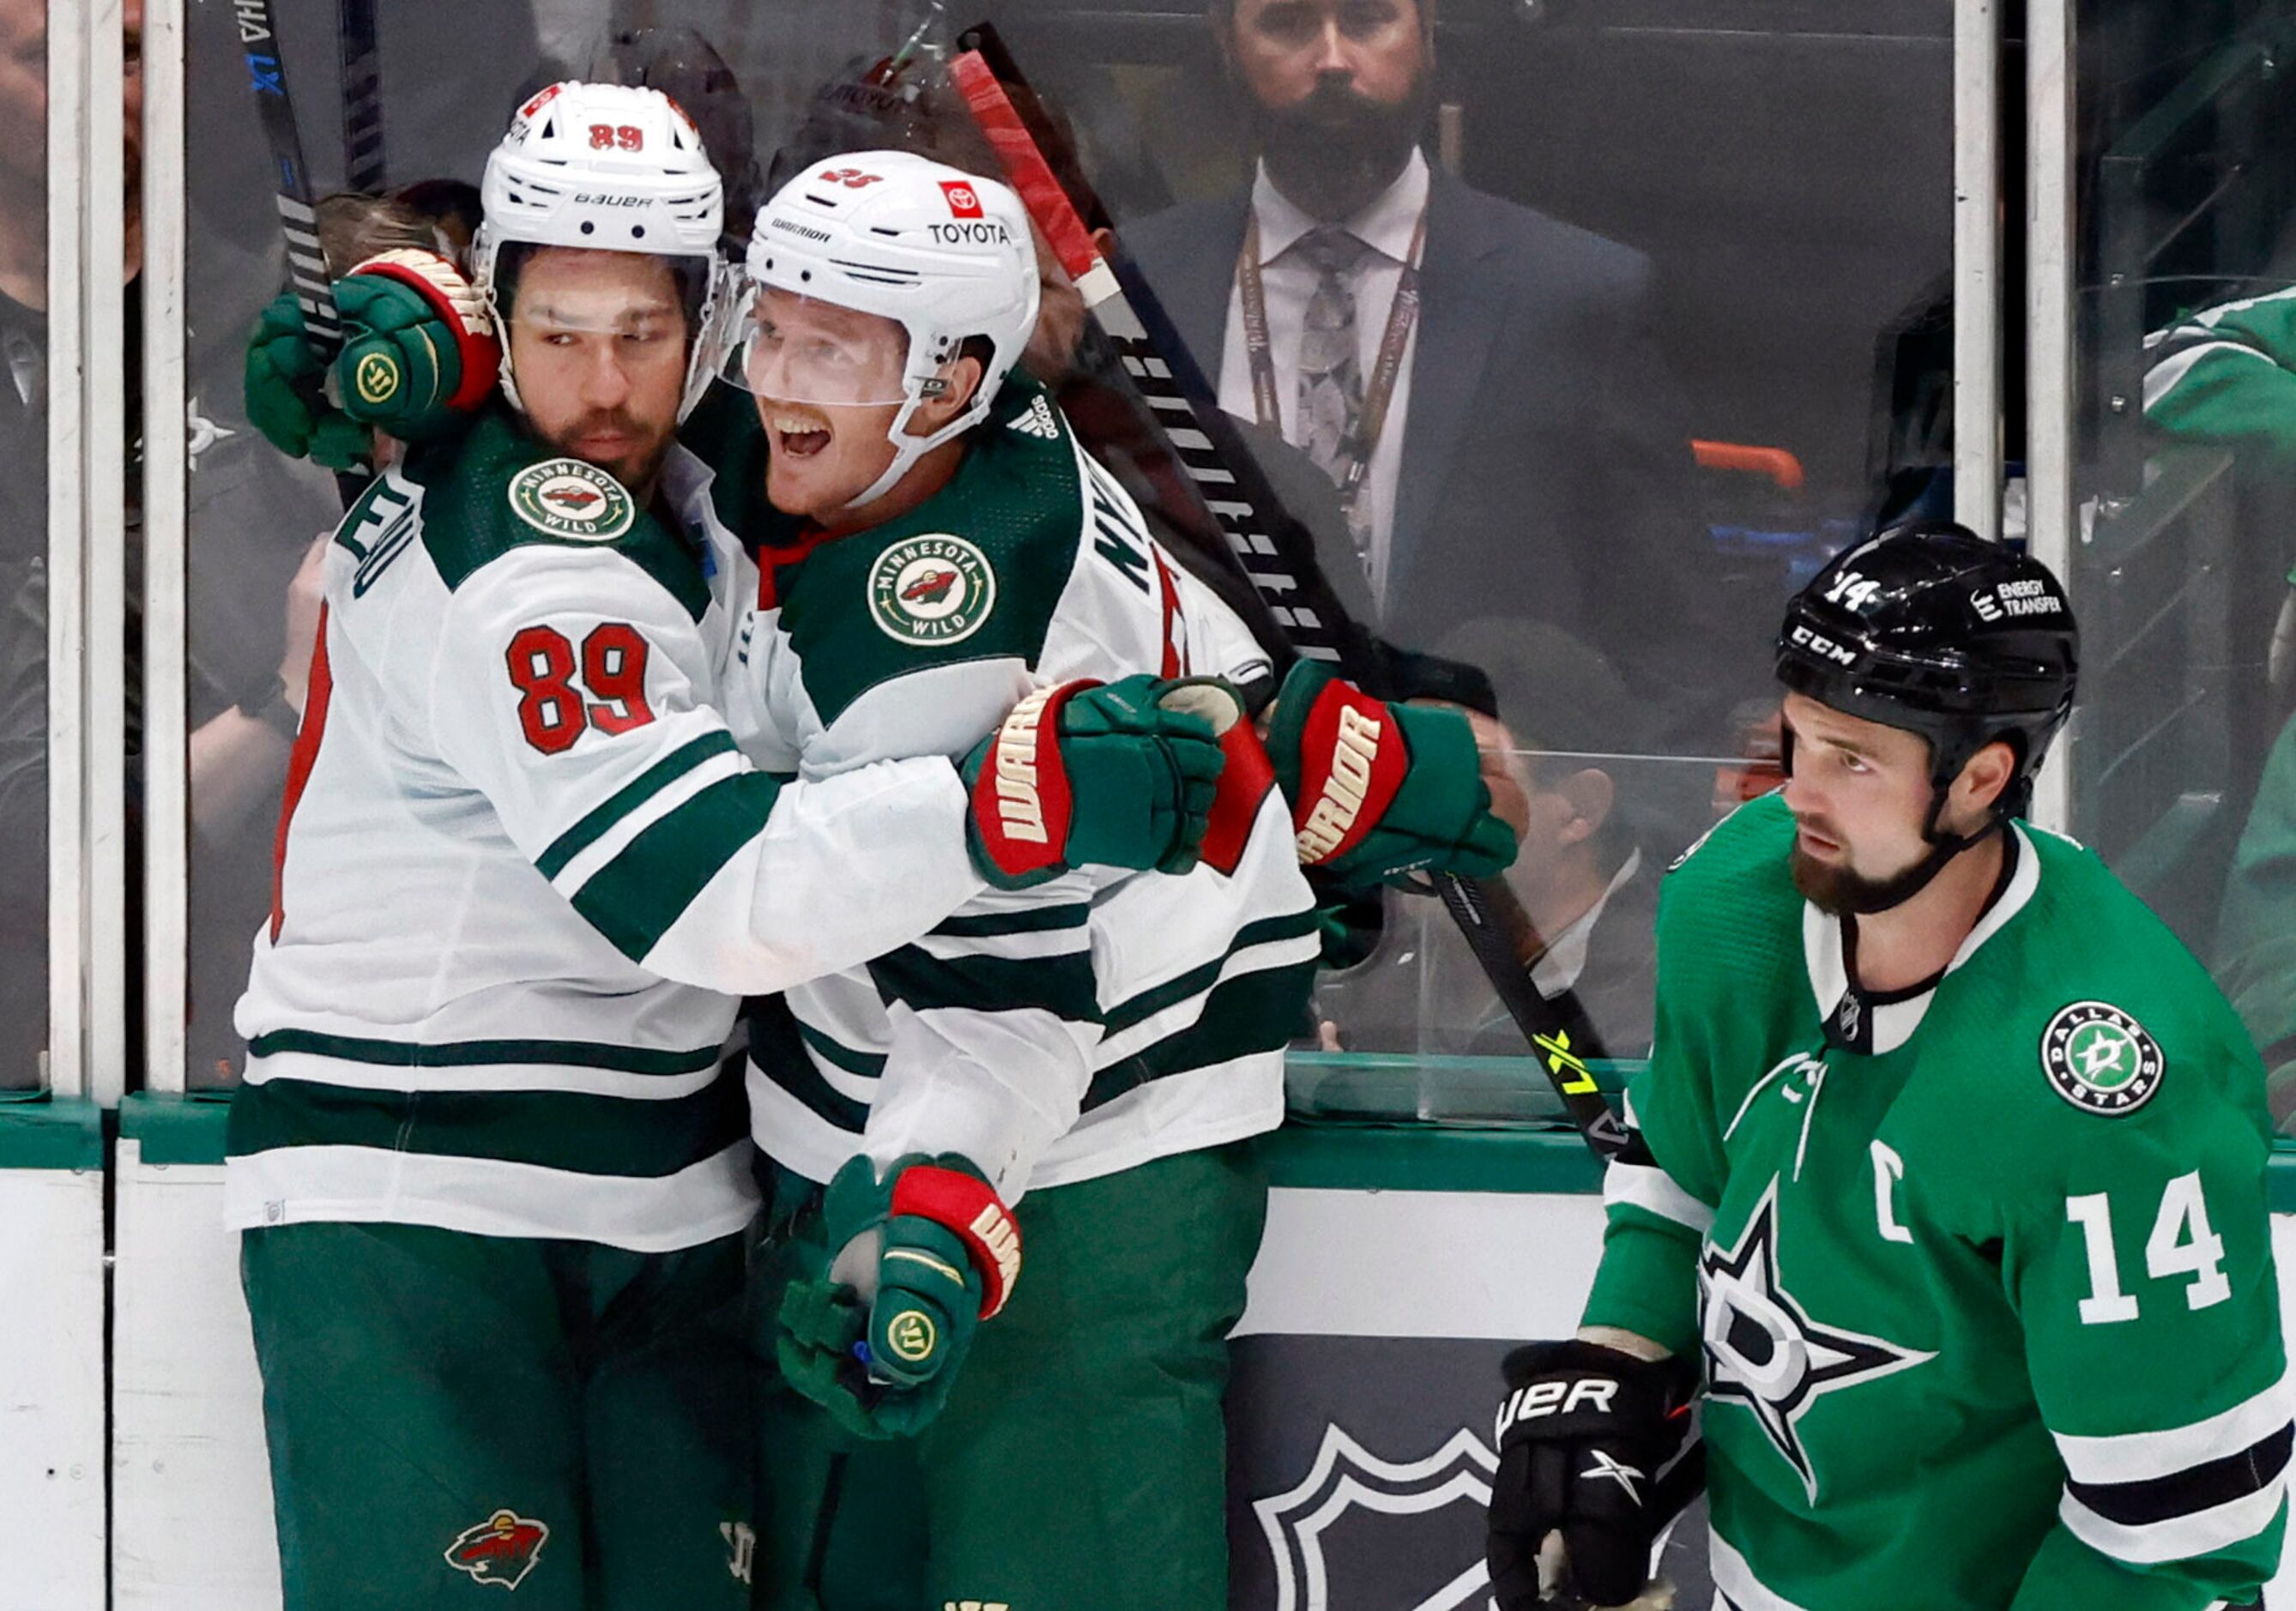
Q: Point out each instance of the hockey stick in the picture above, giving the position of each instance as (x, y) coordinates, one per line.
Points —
(307, 263)
(1273, 551)
(362, 76)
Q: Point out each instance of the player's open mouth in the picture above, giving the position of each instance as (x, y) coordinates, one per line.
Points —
(799, 438)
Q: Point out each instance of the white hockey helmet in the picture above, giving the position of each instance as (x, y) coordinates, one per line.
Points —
(945, 255)
(611, 168)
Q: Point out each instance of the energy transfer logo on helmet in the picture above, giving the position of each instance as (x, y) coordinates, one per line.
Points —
(931, 590)
(2100, 1060)
(567, 498)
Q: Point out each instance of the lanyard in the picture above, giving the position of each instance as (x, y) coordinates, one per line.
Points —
(1401, 313)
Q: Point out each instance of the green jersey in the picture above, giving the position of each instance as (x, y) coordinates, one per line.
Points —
(1981, 1273)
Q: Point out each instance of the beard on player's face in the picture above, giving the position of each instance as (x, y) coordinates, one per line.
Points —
(615, 440)
(1836, 887)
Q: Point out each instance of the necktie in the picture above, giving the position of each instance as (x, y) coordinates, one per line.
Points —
(1331, 365)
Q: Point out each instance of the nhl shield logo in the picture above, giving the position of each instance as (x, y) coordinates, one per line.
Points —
(1347, 1478)
(931, 590)
(501, 1549)
(2100, 1060)
(568, 499)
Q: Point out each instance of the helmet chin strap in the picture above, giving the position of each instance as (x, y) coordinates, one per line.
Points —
(908, 449)
(1943, 847)
(1906, 885)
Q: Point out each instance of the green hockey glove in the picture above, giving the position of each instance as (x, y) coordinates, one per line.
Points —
(924, 1255)
(283, 396)
(419, 349)
(1381, 791)
(1120, 774)
(419, 355)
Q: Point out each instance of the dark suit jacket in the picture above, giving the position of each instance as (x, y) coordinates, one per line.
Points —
(1546, 469)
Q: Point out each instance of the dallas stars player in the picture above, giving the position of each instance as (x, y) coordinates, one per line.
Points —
(939, 544)
(491, 1182)
(1948, 1164)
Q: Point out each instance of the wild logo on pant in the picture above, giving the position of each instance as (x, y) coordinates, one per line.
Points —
(502, 1549)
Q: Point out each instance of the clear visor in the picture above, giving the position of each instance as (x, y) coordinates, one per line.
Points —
(795, 350)
(577, 311)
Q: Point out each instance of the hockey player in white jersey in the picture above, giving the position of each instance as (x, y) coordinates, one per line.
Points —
(491, 1183)
(939, 544)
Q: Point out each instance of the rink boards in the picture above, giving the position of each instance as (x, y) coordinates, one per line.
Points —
(1398, 1267)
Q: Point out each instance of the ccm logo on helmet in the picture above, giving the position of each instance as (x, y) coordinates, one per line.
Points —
(989, 232)
(1818, 643)
(1542, 1399)
(963, 201)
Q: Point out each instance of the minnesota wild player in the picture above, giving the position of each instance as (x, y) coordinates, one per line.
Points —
(932, 545)
(1945, 1190)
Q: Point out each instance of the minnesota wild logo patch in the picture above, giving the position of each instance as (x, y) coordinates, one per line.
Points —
(2100, 1060)
(501, 1549)
(931, 590)
(568, 499)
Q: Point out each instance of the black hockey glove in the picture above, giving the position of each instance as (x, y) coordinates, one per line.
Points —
(1581, 1435)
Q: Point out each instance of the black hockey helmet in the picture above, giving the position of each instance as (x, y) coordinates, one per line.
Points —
(1931, 628)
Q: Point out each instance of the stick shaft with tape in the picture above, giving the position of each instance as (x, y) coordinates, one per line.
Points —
(1275, 552)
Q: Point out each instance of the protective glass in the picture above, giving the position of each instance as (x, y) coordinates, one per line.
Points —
(800, 350)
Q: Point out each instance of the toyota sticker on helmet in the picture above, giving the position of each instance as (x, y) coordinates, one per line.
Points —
(963, 201)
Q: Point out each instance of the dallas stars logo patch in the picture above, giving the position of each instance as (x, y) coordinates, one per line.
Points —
(2100, 1060)
(1766, 1352)
(568, 499)
(501, 1549)
(931, 590)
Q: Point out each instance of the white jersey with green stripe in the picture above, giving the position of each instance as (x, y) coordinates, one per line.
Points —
(1093, 1022)
(524, 873)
